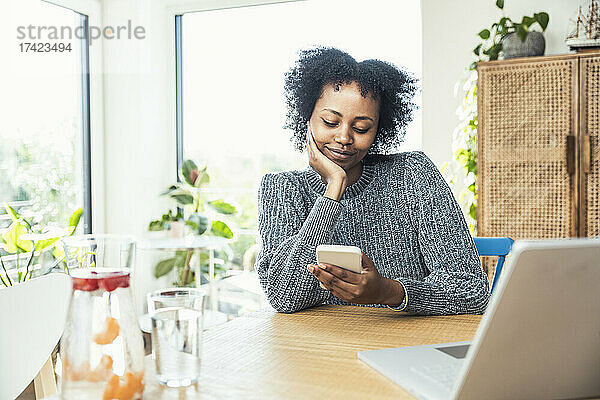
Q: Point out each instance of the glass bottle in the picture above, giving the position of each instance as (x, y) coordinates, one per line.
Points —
(102, 347)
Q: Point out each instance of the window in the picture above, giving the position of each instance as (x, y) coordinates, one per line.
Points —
(44, 131)
(231, 107)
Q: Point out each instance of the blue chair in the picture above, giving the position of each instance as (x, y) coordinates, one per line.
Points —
(494, 246)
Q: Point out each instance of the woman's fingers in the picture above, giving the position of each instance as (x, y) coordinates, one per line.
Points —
(315, 153)
(311, 145)
(311, 149)
(342, 294)
(364, 288)
(343, 274)
(332, 282)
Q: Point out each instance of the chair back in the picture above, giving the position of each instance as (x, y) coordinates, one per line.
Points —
(494, 246)
(33, 315)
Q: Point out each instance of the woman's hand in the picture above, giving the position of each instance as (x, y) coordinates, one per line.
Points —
(331, 174)
(368, 287)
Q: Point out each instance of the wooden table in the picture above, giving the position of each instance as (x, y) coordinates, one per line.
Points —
(309, 355)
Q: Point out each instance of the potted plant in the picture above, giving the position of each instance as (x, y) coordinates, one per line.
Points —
(513, 39)
(200, 216)
(39, 244)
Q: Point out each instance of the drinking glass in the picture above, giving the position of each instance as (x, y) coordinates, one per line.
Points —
(177, 315)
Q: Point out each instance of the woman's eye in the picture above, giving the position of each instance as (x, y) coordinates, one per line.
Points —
(328, 123)
(358, 130)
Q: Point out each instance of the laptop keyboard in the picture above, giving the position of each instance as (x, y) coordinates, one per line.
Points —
(444, 374)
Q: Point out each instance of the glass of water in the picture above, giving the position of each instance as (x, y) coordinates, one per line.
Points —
(177, 315)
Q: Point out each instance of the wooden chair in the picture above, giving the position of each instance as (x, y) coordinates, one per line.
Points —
(494, 246)
(33, 315)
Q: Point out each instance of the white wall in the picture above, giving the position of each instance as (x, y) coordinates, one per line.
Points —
(139, 126)
(449, 35)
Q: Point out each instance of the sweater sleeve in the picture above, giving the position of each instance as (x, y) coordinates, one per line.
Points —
(289, 242)
(456, 283)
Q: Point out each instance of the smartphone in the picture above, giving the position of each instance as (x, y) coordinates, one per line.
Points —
(347, 257)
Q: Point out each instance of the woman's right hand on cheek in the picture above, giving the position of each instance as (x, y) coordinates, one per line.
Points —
(330, 172)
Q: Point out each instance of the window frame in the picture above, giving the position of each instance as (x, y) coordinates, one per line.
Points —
(176, 12)
(85, 119)
(92, 118)
(92, 115)
(178, 93)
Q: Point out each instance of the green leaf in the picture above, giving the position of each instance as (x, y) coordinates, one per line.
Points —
(500, 4)
(522, 32)
(169, 190)
(16, 217)
(542, 19)
(191, 224)
(58, 252)
(180, 257)
(494, 51)
(12, 240)
(220, 228)
(202, 179)
(186, 171)
(12, 212)
(503, 26)
(222, 207)
(156, 225)
(169, 217)
(75, 217)
(183, 199)
(164, 267)
(198, 222)
(473, 211)
(527, 21)
(484, 34)
(473, 66)
(477, 49)
(45, 244)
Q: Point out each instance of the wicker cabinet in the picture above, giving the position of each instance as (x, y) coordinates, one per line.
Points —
(538, 147)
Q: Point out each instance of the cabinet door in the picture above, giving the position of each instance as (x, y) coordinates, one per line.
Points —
(527, 110)
(590, 146)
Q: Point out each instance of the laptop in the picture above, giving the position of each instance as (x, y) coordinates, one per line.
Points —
(539, 338)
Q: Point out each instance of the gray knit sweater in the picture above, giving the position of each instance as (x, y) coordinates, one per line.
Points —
(400, 213)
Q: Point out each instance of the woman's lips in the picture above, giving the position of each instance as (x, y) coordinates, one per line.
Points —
(339, 155)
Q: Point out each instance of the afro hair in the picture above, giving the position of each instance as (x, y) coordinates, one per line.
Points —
(315, 68)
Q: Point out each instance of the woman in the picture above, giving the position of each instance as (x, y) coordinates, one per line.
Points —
(418, 255)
